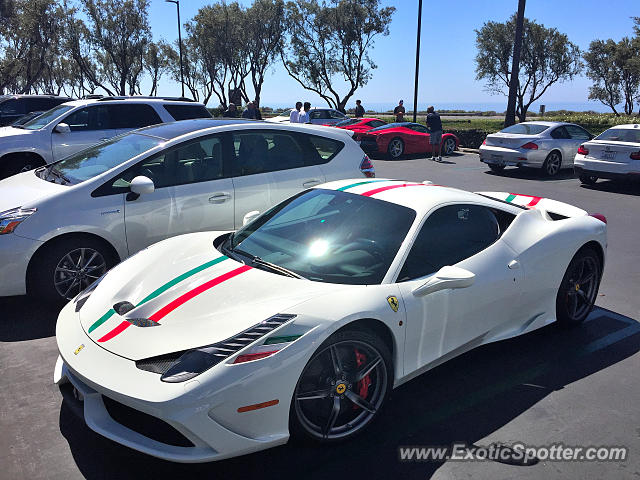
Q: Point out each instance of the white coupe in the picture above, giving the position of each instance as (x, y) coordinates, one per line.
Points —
(216, 344)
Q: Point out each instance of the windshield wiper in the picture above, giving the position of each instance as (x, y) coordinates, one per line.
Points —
(275, 268)
(58, 174)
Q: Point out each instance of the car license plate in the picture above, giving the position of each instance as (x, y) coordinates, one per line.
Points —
(608, 155)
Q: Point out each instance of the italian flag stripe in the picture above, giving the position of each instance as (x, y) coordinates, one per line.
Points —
(533, 202)
(342, 189)
(510, 198)
(160, 290)
(391, 187)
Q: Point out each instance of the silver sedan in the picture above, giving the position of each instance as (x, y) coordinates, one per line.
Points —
(550, 146)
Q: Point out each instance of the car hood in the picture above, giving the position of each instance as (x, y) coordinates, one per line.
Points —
(191, 294)
(15, 132)
(25, 189)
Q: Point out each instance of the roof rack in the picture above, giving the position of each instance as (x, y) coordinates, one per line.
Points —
(103, 98)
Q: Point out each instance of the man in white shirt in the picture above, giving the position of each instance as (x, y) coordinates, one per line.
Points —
(304, 115)
(294, 117)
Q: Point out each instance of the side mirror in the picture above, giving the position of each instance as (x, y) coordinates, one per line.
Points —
(249, 217)
(62, 128)
(446, 277)
(141, 185)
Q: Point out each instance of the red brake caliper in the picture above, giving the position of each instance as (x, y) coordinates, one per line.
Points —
(362, 387)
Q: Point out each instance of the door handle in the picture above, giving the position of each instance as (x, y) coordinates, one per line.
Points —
(220, 197)
(311, 183)
(513, 264)
(104, 139)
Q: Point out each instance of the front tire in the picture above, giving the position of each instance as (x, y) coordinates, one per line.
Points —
(395, 149)
(579, 288)
(552, 164)
(68, 266)
(449, 146)
(342, 388)
(588, 179)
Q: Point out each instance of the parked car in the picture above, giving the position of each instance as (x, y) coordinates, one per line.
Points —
(74, 126)
(302, 322)
(360, 124)
(63, 225)
(397, 139)
(549, 146)
(317, 116)
(614, 154)
(12, 107)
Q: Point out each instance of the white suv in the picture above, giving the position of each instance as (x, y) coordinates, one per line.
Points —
(62, 226)
(74, 126)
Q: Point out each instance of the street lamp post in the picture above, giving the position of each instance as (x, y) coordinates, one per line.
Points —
(177, 2)
(415, 88)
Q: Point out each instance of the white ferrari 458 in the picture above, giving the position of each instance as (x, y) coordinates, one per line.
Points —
(216, 344)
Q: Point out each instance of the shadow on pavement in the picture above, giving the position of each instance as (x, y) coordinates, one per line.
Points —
(29, 320)
(463, 400)
(532, 174)
(615, 186)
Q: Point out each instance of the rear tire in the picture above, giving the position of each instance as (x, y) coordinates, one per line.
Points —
(579, 287)
(588, 179)
(448, 146)
(552, 164)
(67, 266)
(330, 404)
(395, 149)
(496, 168)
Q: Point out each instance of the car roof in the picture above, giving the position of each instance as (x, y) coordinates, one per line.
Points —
(421, 197)
(626, 126)
(18, 96)
(176, 129)
(117, 100)
(546, 124)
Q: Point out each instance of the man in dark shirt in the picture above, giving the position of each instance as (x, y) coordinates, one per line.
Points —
(232, 111)
(434, 125)
(250, 111)
(359, 109)
(399, 111)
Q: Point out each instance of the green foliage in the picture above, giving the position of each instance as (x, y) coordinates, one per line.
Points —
(547, 57)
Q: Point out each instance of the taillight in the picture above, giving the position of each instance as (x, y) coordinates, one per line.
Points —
(582, 150)
(635, 156)
(530, 146)
(599, 216)
(366, 167)
(484, 142)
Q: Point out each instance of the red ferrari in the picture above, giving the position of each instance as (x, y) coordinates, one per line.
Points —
(360, 124)
(396, 139)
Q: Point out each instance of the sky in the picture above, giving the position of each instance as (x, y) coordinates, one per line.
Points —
(447, 52)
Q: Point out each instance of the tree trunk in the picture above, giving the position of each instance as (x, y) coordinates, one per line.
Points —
(510, 117)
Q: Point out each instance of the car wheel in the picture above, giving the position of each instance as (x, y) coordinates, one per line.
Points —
(588, 179)
(342, 388)
(67, 267)
(579, 288)
(449, 146)
(395, 148)
(552, 164)
(496, 168)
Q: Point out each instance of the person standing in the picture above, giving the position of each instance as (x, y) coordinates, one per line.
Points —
(231, 111)
(359, 109)
(250, 111)
(434, 125)
(399, 111)
(304, 115)
(294, 117)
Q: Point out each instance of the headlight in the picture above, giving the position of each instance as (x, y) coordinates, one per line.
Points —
(10, 219)
(193, 362)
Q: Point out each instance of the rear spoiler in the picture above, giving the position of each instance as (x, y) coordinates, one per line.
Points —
(537, 203)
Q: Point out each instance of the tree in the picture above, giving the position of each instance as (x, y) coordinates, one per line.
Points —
(264, 31)
(119, 34)
(510, 117)
(547, 57)
(602, 70)
(330, 42)
(156, 63)
(627, 61)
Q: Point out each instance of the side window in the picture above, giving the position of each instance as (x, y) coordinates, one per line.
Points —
(450, 235)
(418, 128)
(324, 148)
(186, 112)
(89, 118)
(261, 151)
(336, 114)
(376, 123)
(318, 114)
(133, 115)
(578, 133)
(190, 162)
(12, 107)
(560, 133)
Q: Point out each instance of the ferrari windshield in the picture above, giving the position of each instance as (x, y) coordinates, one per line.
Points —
(326, 236)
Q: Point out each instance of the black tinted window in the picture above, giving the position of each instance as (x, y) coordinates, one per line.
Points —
(336, 114)
(267, 151)
(133, 115)
(525, 128)
(375, 123)
(417, 128)
(324, 148)
(448, 236)
(560, 133)
(577, 133)
(186, 112)
(43, 104)
(318, 114)
(12, 106)
(94, 117)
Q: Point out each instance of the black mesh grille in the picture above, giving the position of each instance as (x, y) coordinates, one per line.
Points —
(145, 424)
(162, 363)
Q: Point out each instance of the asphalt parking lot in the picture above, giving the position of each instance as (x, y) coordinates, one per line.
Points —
(577, 387)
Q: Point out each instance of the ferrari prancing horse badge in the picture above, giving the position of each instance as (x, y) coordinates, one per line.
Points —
(393, 302)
